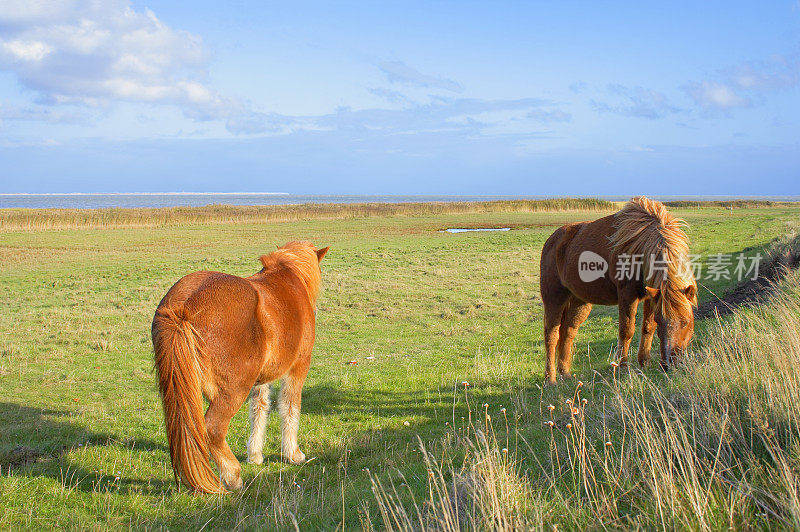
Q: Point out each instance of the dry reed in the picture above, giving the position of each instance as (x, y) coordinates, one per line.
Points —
(46, 219)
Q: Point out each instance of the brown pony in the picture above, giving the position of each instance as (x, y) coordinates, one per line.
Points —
(637, 254)
(221, 336)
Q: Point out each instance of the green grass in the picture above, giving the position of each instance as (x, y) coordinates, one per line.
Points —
(433, 309)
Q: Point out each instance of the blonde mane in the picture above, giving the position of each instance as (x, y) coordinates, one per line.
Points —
(646, 229)
(301, 259)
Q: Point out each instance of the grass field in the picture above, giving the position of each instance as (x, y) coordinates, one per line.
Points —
(396, 440)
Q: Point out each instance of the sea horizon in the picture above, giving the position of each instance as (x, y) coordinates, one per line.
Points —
(141, 193)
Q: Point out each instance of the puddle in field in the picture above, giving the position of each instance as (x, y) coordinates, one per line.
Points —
(465, 230)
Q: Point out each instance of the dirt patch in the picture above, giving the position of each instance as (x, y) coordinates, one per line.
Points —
(754, 291)
(19, 456)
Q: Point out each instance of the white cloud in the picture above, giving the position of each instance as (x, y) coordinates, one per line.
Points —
(715, 96)
(26, 51)
(95, 53)
(779, 72)
(457, 115)
(40, 114)
(399, 72)
(637, 102)
(746, 83)
(390, 95)
(547, 116)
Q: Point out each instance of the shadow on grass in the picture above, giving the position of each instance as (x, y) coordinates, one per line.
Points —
(37, 442)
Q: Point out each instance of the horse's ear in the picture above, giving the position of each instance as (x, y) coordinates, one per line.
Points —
(321, 253)
(651, 292)
(691, 292)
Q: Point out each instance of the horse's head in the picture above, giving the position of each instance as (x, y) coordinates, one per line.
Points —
(674, 317)
(301, 257)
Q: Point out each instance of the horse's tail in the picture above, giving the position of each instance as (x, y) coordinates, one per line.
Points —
(179, 361)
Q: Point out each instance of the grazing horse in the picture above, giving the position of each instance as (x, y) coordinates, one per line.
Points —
(640, 253)
(220, 336)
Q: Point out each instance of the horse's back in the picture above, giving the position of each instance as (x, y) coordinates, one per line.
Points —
(561, 256)
(206, 294)
(223, 310)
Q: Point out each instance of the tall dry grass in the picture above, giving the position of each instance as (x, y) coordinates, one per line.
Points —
(728, 204)
(44, 219)
(487, 493)
(713, 445)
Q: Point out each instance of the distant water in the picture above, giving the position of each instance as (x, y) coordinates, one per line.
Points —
(459, 230)
(181, 199)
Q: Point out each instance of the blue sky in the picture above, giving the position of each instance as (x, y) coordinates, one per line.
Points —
(535, 98)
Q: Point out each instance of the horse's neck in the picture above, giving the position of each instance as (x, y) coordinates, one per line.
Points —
(266, 279)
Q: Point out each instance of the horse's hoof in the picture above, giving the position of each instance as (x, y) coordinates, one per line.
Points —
(296, 458)
(256, 459)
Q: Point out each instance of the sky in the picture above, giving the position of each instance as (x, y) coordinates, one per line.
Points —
(508, 98)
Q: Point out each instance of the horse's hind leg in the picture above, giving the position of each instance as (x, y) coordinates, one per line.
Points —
(259, 409)
(554, 299)
(218, 418)
(289, 408)
(553, 311)
(574, 315)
